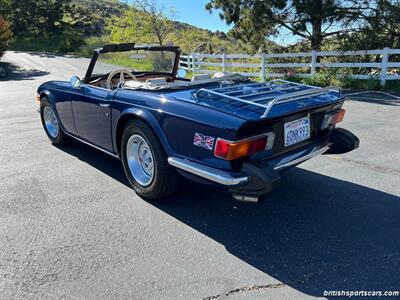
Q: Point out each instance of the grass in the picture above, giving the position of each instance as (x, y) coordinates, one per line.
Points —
(62, 42)
(122, 59)
(91, 43)
(393, 85)
(324, 80)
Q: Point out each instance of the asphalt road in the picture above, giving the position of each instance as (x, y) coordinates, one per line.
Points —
(71, 228)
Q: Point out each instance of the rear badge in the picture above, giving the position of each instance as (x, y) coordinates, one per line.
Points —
(201, 140)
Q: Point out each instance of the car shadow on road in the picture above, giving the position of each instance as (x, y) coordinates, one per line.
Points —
(16, 73)
(50, 54)
(377, 97)
(314, 233)
(101, 161)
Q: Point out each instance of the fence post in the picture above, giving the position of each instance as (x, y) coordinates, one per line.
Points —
(193, 63)
(384, 66)
(313, 61)
(223, 62)
(262, 67)
(188, 62)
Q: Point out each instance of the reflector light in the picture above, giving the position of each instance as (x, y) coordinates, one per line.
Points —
(231, 150)
(339, 116)
(332, 119)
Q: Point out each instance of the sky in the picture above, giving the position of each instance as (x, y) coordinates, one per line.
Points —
(193, 12)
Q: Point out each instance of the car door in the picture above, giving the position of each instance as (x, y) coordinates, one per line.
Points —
(63, 101)
(92, 114)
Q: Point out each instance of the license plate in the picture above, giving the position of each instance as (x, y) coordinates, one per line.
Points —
(297, 131)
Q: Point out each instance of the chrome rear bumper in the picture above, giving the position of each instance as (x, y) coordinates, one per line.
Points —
(231, 179)
(299, 157)
(260, 177)
(209, 173)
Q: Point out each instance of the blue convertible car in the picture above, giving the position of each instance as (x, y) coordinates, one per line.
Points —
(135, 105)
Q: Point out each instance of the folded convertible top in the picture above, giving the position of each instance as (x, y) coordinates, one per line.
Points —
(229, 78)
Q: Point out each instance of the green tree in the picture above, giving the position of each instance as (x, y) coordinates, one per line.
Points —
(308, 19)
(5, 35)
(35, 16)
(130, 27)
(158, 24)
(90, 16)
(143, 22)
(380, 28)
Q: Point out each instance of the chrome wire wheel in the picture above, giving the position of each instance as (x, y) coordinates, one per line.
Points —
(140, 160)
(50, 121)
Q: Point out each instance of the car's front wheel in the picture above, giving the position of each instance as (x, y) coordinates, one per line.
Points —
(145, 163)
(51, 123)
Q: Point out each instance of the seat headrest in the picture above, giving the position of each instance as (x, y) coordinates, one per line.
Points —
(200, 77)
(159, 80)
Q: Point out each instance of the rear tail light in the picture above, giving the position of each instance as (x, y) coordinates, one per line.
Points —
(332, 119)
(339, 116)
(231, 150)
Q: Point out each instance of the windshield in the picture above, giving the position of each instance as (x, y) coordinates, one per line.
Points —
(137, 60)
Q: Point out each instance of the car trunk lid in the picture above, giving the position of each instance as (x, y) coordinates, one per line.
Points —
(255, 101)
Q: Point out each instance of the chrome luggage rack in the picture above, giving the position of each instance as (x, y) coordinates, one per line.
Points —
(264, 95)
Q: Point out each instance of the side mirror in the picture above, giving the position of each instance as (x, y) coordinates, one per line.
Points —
(182, 73)
(75, 81)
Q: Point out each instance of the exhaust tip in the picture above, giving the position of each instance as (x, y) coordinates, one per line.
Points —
(245, 198)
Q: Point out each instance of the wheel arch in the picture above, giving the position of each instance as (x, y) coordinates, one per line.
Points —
(47, 94)
(147, 118)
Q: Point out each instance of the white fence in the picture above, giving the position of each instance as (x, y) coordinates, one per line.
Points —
(262, 66)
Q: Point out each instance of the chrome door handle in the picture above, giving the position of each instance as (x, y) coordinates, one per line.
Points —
(105, 105)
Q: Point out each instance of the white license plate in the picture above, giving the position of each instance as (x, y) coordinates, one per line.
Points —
(297, 131)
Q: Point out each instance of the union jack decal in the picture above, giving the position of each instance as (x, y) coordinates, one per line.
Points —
(204, 141)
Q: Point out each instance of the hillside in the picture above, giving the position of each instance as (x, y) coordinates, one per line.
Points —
(200, 40)
(88, 24)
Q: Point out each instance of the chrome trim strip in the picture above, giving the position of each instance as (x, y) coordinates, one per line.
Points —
(258, 88)
(254, 137)
(300, 159)
(196, 95)
(240, 85)
(212, 174)
(268, 98)
(293, 97)
(293, 83)
(94, 146)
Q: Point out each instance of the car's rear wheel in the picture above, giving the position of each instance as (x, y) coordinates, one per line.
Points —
(51, 123)
(145, 163)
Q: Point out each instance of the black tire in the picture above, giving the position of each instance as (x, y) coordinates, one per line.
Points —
(165, 179)
(60, 138)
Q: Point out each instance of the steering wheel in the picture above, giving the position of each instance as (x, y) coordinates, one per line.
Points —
(122, 73)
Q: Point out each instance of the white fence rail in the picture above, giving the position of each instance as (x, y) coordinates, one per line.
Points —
(261, 65)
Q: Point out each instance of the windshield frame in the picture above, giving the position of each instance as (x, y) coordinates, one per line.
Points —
(132, 47)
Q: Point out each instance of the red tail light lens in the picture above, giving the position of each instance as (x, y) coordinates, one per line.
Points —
(231, 150)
